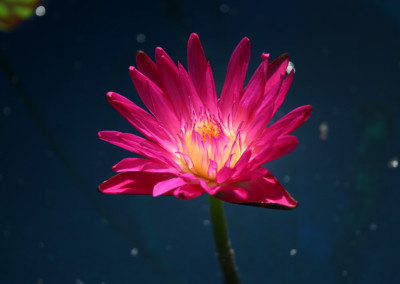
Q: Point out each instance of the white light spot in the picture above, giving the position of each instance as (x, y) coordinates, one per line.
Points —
(286, 179)
(140, 38)
(134, 252)
(293, 252)
(39, 281)
(323, 131)
(393, 163)
(6, 110)
(344, 273)
(224, 8)
(290, 67)
(373, 226)
(40, 11)
(79, 281)
(206, 223)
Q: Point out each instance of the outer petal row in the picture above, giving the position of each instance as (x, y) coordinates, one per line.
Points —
(150, 183)
(139, 146)
(132, 183)
(265, 191)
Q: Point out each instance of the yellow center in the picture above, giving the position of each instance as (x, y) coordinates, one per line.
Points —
(206, 147)
(207, 129)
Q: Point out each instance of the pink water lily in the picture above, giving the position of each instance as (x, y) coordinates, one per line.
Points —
(196, 143)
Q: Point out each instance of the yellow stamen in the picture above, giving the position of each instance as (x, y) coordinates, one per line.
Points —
(207, 129)
(216, 145)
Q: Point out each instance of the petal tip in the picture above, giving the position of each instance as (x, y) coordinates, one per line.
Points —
(193, 36)
(265, 56)
(284, 56)
(101, 188)
(308, 110)
(111, 96)
(245, 42)
(159, 50)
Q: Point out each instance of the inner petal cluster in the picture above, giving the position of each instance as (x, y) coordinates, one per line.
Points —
(207, 146)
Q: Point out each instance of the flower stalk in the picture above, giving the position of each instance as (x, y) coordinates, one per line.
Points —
(225, 253)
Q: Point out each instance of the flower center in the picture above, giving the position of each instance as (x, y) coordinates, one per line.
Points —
(206, 129)
(206, 146)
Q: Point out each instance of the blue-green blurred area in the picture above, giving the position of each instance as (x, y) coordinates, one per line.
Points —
(56, 68)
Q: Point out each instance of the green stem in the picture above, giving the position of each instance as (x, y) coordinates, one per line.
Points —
(225, 252)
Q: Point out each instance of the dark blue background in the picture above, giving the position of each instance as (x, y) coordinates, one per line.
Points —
(56, 227)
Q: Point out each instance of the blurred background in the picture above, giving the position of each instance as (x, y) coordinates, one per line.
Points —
(60, 60)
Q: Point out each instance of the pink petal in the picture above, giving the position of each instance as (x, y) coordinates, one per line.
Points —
(235, 76)
(283, 91)
(228, 192)
(188, 191)
(201, 74)
(207, 188)
(282, 146)
(140, 119)
(210, 91)
(242, 163)
(166, 186)
(113, 137)
(189, 90)
(156, 101)
(161, 53)
(212, 169)
(142, 87)
(132, 183)
(249, 174)
(142, 165)
(172, 87)
(138, 145)
(224, 174)
(291, 121)
(262, 192)
(262, 115)
(276, 70)
(148, 67)
(252, 95)
(264, 140)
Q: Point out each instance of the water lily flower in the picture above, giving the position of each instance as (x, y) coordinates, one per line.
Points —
(195, 143)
